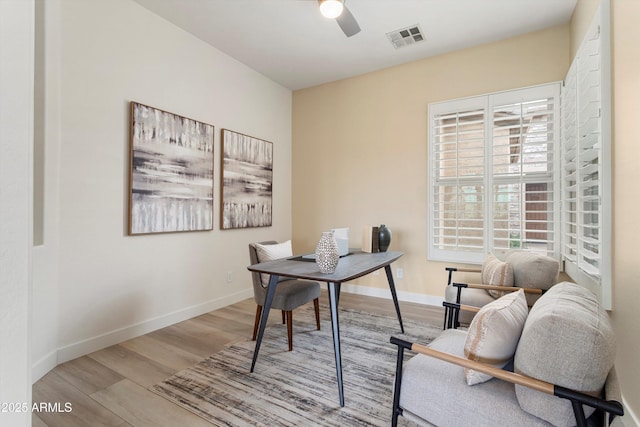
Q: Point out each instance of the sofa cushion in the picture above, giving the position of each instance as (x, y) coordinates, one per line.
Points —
(567, 340)
(532, 270)
(496, 273)
(494, 333)
(270, 253)
(435, 392)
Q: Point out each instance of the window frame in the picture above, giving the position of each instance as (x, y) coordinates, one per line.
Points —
(486, 103)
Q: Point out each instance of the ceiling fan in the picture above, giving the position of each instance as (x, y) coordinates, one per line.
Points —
(336, 9)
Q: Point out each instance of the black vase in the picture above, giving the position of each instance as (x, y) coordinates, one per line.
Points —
(384, 238)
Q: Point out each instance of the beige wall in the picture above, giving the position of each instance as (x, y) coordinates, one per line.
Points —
(359, 154)
(626, 195)
(580, 20)
(360, 144)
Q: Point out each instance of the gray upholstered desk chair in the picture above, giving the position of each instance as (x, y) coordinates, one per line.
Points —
(290, 294)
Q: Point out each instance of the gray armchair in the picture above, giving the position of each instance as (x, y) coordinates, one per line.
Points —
(290, 294)
(532, 272)
(561, 373)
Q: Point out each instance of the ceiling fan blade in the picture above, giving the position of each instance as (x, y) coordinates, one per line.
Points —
(348, 23)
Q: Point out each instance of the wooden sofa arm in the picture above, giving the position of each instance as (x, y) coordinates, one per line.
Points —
(534, 291)
(577, 398)
(452, 313)
(463, 307)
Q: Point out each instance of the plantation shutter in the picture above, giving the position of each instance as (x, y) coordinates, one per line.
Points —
(569, 167)
(586, 158)
(458, 171)
(523, 144)
(492, 162)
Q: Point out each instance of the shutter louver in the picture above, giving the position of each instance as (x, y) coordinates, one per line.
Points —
(582, 159)
(569, 167)
(492, 162)
(523, 166)
(589, 158)
(586, 161)
(458, 167)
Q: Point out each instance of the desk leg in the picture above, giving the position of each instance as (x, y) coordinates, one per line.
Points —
(268, 299)
(392, 286)
(337, 285)
(333, 304)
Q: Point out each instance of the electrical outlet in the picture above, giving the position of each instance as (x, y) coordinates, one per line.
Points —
(229, 276)
(399, 273)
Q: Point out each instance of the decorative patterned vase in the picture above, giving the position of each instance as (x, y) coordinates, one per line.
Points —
(384, 238)
(327, 256)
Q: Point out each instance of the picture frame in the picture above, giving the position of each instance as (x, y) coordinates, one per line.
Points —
(171, 172)
(247, 181)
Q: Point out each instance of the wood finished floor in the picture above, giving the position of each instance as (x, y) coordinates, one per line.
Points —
(109, 387)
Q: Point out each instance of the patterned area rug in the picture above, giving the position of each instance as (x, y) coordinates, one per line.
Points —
(299, 388)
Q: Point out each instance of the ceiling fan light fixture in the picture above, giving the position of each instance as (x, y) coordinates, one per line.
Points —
(331, 8)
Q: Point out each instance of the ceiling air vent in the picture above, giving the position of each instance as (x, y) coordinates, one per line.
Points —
(405, 36)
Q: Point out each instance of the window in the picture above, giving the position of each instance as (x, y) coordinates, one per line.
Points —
(518, 170)
(586, 159)
(493, 162)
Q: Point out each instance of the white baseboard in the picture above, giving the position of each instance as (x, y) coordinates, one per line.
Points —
(44, 365)
(629, 419)
(386, 293)
(81, 348)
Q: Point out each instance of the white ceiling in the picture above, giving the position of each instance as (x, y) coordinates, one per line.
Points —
(292, 44)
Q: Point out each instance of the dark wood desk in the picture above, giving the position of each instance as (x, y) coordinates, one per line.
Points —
(350, 267)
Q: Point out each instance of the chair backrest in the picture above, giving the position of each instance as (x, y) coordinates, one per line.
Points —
(532, 270)
(258, 290)
(567, 339)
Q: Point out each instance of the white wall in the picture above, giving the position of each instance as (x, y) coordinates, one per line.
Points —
(44, 313)
(109, 286)
(16, 142)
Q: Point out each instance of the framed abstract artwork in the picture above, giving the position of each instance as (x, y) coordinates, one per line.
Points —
(171, 173)
(247, 181)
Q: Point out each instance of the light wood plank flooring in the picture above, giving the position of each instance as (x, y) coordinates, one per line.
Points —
(109, 387)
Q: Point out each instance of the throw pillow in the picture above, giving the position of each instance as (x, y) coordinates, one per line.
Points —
(496, 273)
(494, 332)
(270, 253)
